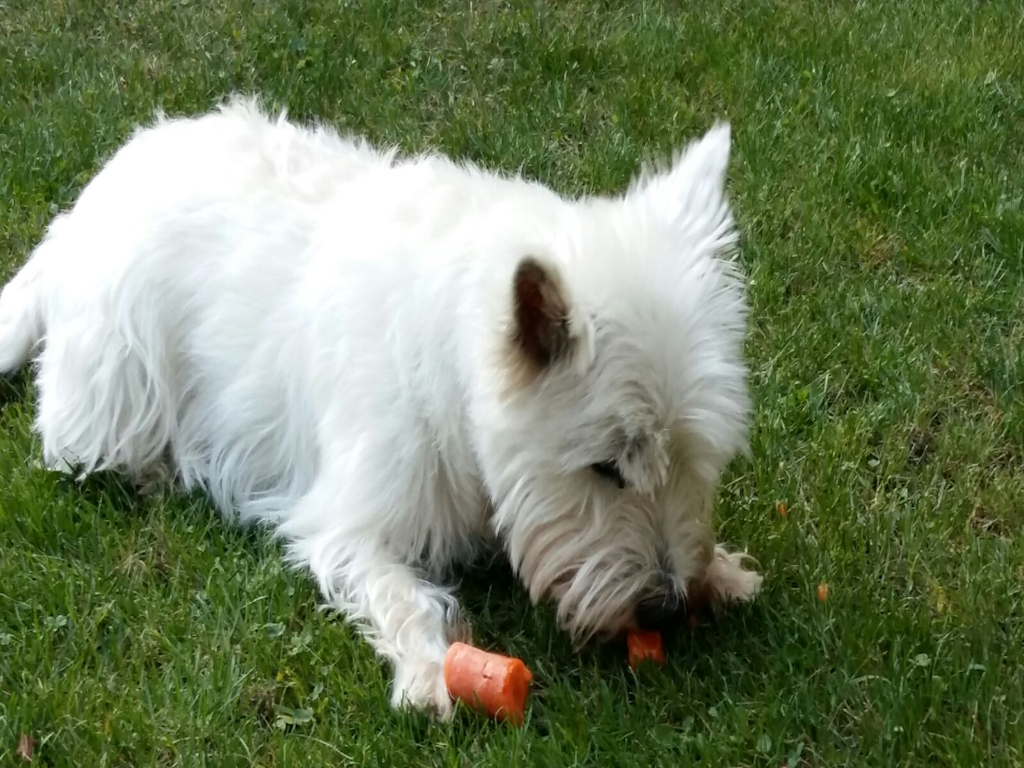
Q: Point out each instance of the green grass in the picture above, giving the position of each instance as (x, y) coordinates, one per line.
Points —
(878, 177)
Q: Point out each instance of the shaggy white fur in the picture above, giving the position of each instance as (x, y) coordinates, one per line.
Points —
(395, 361)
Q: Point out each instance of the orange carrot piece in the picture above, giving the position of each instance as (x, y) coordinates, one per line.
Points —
(645, 646)
(490, 682)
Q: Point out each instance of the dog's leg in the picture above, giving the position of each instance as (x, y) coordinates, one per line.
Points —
(410, 622)
(726, 580)
(406, 619)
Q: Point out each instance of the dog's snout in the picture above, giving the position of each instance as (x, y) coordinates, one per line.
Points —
(659, 610)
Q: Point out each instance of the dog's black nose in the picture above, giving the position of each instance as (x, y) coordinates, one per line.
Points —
(658, 611)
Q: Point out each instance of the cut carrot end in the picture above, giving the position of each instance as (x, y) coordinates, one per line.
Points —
(645, 646)
(488, 682)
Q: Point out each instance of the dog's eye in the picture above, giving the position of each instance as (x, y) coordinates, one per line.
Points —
(609, 470)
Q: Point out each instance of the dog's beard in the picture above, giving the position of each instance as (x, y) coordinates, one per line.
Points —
(597, 558)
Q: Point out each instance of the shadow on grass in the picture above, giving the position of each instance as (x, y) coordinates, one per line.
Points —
(14, 388)
(113, 496)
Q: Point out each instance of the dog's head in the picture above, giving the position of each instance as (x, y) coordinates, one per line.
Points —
(614, 392)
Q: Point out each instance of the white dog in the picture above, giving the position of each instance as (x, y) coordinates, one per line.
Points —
(395, 361)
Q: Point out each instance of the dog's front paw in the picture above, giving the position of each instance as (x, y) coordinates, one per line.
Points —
(419, 684)
(728, 580)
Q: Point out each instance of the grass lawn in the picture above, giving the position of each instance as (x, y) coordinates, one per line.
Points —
(878, 178)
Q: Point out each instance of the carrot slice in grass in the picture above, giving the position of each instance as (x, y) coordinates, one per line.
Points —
(645, 646)
(488, 682)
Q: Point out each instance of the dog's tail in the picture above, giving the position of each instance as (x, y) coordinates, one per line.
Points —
(21, 310)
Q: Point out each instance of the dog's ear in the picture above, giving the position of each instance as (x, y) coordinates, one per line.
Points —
(693, 188)
(542, 329)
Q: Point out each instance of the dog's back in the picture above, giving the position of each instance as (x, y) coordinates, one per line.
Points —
(114, 286)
